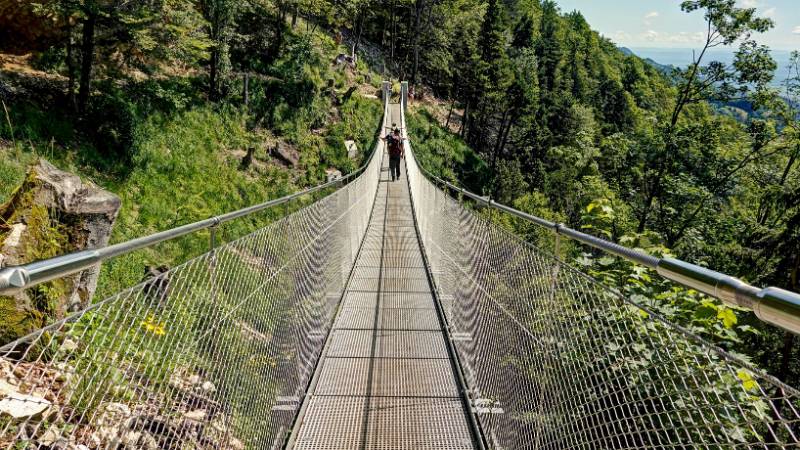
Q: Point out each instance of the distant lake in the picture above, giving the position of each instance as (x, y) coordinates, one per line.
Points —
(680, 57)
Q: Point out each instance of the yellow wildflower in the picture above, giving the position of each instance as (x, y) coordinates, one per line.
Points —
(152, 326)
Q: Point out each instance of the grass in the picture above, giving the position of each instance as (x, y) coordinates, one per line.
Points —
(444, 154)
(174, 159)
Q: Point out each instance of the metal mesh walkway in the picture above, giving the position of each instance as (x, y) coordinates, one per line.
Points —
(386, 380)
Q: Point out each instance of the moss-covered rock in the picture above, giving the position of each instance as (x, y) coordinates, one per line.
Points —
(52, 213)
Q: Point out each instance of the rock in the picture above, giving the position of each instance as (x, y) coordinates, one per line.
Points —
(208, 387)
(247, 160)
(6, 388)
(63, 372)
(6, 368)
(184, 381)
(96, 441)
(342, 59)
(116, 411)
(110, 420)
(156, 284)
(236, 444)
(51, 436)
(333, 174)
(285, 154)
(107, 434)
(352, 149)
(131, 438)
(197, 415)
(52, 213)
(13, 237)
(69, 345)
(23, 406)
(148, 442)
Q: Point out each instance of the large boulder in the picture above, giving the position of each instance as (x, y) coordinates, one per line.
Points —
(51, 214)
(285, 154)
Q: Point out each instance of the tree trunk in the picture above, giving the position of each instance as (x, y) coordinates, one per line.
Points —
(213, 75)
(511, 121)
(419, 5)
(383, 30)
(683, 98)
(359, 32)
(87, 59)
(501, 131)
(464, 118)
(246, 90)
(767, 208)
(786, 355)
(655, 187)
(493, 171)
(278, 43)
(294, 16)
(394, 33)
(70, 66)
(450, 114)
(282, 11)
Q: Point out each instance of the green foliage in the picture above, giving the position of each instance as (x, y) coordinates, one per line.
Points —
(555, 121)
(444, 154)
(175, 159)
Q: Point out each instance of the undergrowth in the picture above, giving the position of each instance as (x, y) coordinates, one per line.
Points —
(175, 158)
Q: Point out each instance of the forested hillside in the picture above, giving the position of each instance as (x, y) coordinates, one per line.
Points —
(574, 129)
(183, 109)
(537, 110)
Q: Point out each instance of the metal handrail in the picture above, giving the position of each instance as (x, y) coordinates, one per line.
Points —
(14, 279)
(772, 305)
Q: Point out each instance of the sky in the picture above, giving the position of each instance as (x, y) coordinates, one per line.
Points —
(662, 24)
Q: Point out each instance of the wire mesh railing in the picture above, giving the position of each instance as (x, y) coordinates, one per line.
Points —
(556, 360)
(217, 353)
(213, 354)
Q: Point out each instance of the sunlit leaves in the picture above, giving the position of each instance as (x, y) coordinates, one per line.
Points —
(748, 383)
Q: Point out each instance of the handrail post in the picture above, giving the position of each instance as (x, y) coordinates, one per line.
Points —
(556, 265)
(404, 94)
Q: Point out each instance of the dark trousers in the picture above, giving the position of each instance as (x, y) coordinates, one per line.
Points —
(394, 167)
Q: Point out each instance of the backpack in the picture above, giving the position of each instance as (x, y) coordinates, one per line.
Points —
(395, 146)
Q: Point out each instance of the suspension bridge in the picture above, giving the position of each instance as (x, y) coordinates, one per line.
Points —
(387, 315)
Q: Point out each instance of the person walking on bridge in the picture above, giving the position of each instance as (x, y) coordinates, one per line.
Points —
(394, 141)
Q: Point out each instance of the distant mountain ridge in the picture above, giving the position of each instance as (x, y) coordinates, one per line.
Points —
(663, 68)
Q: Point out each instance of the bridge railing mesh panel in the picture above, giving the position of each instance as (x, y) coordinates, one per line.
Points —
(555, 360)
(213, 354)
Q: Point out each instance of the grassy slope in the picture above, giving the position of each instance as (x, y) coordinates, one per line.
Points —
(445, 154)
(184, 163)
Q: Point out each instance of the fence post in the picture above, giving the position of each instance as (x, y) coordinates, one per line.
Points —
(404, 94)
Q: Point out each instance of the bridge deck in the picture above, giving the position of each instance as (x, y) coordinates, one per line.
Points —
(386, 380)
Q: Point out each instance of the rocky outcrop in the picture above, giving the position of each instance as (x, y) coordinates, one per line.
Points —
(51, 214)
(285, 154)
(37, 411)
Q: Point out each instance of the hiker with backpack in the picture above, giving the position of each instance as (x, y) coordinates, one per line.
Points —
(394, 142)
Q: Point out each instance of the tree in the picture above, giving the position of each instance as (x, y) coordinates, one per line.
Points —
(220, 15)
(494, 78)
(725, 24)
(118, 35)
